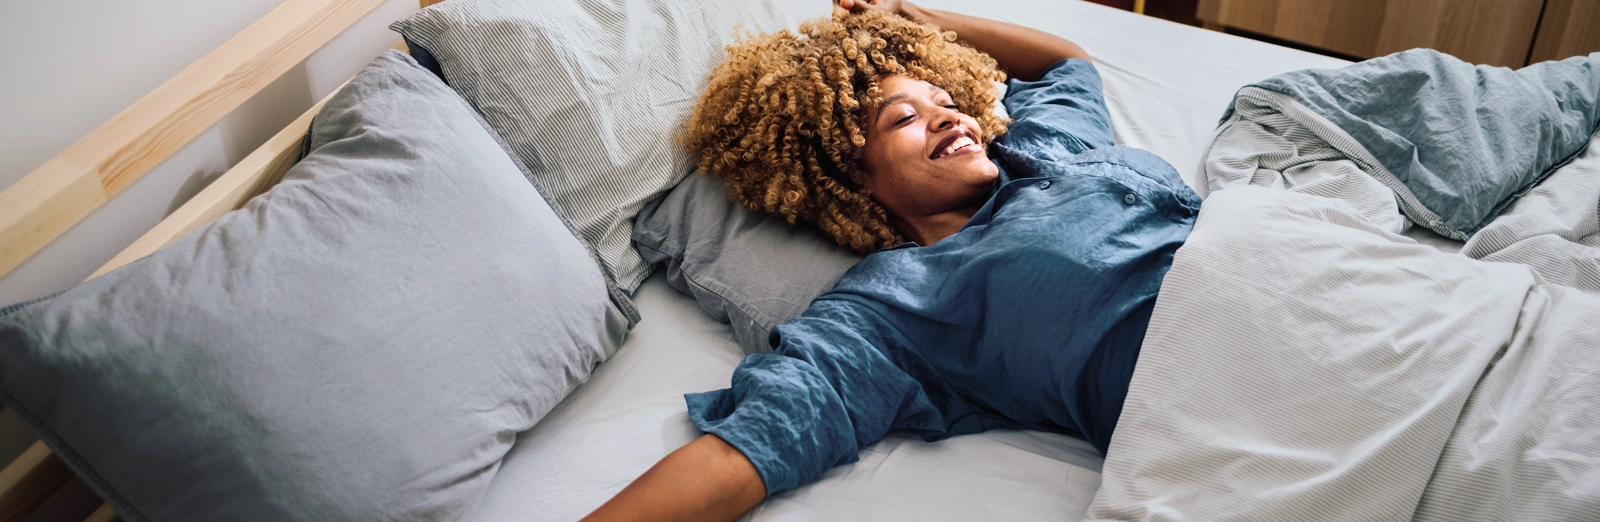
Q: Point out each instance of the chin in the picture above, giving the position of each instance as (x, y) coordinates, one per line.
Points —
(988, 171)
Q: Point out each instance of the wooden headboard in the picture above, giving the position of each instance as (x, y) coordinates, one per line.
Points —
(52, 198)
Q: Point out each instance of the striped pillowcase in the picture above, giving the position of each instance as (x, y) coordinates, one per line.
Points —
(590, 94)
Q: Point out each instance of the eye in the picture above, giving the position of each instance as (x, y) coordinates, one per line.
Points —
(904, 119)
(952, 107)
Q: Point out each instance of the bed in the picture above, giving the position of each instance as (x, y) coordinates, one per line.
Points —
(1167, 86)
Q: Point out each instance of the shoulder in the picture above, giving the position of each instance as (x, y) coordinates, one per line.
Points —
(1061, 114)
(1070, 72)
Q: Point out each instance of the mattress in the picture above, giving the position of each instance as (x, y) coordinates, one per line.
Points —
(1166, 85)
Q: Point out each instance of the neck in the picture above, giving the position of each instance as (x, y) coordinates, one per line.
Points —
(927, 230)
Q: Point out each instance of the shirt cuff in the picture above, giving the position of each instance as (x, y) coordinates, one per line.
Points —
(783, 416)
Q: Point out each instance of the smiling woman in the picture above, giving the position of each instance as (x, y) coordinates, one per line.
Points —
(1023, 298)
(782, 121)
(923, 161)
(789, 120)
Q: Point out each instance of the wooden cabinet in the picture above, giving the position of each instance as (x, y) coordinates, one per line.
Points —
(1496, 32)
(1569, 28)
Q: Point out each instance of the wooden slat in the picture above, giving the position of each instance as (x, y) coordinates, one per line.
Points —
(253, 175)
(426, 3)
(104, 514)
(48, 201)
(30, 480)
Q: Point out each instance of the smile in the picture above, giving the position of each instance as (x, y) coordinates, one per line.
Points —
(960, 142)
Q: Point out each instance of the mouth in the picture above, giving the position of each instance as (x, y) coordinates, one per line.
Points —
(959, 142)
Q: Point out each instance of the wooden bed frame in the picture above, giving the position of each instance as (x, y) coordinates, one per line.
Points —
(52, 198)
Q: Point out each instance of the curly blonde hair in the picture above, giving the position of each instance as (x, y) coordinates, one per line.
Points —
(781, 120)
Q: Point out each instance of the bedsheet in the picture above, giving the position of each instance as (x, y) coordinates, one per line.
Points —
(631, 413)
(1166, 86)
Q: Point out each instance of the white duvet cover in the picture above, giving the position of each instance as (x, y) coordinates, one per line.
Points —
(1305, 363)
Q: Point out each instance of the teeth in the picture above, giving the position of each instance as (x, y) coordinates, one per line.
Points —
(957, 145)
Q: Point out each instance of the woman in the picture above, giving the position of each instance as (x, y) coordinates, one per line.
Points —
(1021, 297)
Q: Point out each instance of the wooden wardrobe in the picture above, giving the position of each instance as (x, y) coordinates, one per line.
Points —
(1509, 33)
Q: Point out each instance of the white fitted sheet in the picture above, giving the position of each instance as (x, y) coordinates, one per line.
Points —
(1166, 85)
(631, 413)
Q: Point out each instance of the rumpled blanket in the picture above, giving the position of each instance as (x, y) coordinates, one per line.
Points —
(1305, 361)
(1452, 143)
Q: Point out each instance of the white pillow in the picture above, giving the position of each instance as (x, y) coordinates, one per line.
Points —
(589, 93)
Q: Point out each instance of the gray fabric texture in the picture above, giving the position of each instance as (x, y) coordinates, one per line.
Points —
(1273, 141)
(589, 93)
(1455, 142)
(750, 269)
(1554, 228)
(362, 342)
(1305, 364)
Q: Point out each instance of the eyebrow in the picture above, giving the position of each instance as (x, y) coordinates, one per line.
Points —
(891, 100)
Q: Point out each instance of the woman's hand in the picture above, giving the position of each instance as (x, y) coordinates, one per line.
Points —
(856, 6)
(1023, 53)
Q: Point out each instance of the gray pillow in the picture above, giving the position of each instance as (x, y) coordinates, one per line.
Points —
(589, 93)
(362, 342)
(750, 269)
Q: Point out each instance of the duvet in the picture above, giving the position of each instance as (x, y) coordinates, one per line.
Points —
(1306, 361)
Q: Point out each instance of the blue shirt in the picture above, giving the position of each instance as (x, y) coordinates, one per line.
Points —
(1030, 316)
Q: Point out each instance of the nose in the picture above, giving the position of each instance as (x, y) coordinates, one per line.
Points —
(944, 118)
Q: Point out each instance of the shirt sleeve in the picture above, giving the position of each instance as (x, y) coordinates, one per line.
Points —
(828, 390)
(1061, 114)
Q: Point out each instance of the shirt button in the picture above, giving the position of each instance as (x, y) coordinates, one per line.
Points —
(1129, 199)
(1044, 185)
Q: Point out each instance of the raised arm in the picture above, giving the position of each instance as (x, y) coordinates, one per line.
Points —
(1022, 52)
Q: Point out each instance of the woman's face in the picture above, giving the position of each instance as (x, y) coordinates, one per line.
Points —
(922, 156)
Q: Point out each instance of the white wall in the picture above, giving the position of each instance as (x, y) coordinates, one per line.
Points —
(70, 65)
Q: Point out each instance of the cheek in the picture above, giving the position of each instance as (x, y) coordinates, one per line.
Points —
(874, 159)
(908, 146)
(892, 151)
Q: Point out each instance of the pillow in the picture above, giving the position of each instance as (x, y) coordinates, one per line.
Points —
(751, 269)
(362, 342)
(589, 93)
